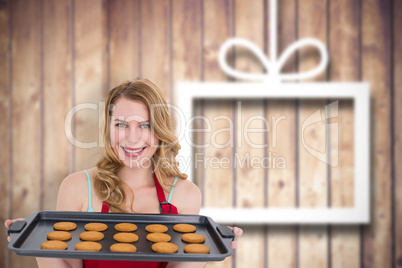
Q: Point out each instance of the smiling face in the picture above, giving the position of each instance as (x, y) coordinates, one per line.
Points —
(130, 133)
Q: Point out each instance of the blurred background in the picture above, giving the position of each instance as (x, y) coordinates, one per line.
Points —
(58, 54)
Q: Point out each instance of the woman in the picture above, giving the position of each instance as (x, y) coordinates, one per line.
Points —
(137, 171)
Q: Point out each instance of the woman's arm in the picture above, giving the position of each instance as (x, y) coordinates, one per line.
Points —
(70, 196)
(186, 264)
(44, 262)
(59, 263)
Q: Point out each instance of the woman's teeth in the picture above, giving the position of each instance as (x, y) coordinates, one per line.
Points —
(133, 151)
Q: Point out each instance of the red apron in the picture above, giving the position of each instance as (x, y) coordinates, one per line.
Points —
(165, 208)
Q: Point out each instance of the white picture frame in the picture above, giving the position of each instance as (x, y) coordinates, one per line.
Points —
(358, 92)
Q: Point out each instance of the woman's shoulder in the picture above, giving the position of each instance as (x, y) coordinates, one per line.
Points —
(73, 190)
(187, 196)
(187, 186)
(78, 178)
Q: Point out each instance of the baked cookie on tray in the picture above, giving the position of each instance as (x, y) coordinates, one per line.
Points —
(88, 245)
(184, 228)
(123, 247)
(95, 226)
(91, 236)
(156, 228)
(54, 244)
(125, 227)
(165, 247)
(65, 226)
(196, 248)
(193, 238)
(158, 237)
(59, 235)
(125, 237)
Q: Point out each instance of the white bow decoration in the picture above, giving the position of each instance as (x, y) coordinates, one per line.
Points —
(273, 66)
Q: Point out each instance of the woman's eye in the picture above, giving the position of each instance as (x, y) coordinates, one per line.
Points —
(121, 125)
(145, 126)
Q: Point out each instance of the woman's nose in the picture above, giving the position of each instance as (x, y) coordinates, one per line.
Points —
(134, 134)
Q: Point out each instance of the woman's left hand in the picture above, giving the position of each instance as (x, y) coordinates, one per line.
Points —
(237, 232)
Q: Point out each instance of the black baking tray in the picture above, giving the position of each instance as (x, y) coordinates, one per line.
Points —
(28, 235)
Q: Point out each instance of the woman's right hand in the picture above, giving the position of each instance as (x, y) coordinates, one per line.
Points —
(8, 222)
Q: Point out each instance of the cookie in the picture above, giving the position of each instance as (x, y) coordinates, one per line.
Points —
(65, 226)
(59, 235)
(123, 247)
(125, 227)
(95, 226)
(196, 248)
(54, 244)
(158, 237)
(125, 237)
(156, 228)
(88, 245)
(91, 236)
(184, 228)
(165, 247)
(193, 238)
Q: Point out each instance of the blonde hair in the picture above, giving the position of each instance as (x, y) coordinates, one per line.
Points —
(108, 186)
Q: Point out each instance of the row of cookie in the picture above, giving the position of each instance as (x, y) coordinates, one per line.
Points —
(92, 234)
(125, 237)
(56, 239)
(125, 227)
(163, 244)
(160, 240)
(159, 247)
(195, 240)
(88, 246)
(95, 226)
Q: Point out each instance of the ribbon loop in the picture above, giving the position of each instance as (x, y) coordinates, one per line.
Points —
(293, 48)
(238, 74)
(272, 66)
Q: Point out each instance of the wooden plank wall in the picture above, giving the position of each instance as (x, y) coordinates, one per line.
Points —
(344, 67)
(57, 54)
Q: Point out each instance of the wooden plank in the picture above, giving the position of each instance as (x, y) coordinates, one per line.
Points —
(345, 66)
(397, 115)
(281, 179)
(186, 40)
(186, 59)
(282, 246)
(57, 64)
(342, 149)
(376, 69)
(26, 113)
(90, 76)
(313, 240)
(250, 182)
(124, 26)
(218, 192)
(281, 182)
(218, 182)
(155, 44)
(5, 133)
